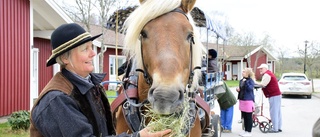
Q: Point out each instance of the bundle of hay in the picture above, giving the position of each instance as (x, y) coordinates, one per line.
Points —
(176, 122)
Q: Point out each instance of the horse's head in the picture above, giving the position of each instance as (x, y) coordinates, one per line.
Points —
(161, 37)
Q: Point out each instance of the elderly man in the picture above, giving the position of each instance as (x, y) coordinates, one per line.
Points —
(271, 90)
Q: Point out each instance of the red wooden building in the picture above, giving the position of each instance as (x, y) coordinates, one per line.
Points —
(236, 58)
(15, 48)
(26, 27)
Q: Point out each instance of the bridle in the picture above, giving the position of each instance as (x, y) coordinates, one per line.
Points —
(146, 74)
(190, 93)
(129, 98)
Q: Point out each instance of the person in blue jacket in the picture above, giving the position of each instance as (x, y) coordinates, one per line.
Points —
(246, 100)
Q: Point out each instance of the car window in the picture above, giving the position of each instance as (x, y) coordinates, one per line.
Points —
(295, 78)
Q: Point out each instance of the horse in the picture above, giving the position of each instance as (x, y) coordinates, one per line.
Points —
(165, 51)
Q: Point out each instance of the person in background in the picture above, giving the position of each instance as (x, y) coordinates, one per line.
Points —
(226, 102)
(226, 99)
(271, 90)
(246, 100)
(212, 63)
(73, 103)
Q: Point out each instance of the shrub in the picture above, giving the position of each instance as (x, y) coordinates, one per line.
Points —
(19, 120)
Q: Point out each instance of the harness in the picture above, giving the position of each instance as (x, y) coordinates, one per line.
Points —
(128, 98)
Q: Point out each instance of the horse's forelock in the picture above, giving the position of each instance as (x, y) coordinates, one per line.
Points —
(149, 10)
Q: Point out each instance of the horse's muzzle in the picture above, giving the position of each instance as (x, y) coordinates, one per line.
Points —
(166, 100)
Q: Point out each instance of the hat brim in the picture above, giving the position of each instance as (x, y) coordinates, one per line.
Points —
(52, 59)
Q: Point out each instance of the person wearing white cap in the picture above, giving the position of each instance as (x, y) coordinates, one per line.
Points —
(271, 90)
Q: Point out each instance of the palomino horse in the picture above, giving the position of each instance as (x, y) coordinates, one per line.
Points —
(162, 43)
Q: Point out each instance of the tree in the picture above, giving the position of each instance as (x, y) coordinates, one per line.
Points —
(282, 52)
(247, 39)
(90, 12)
(311, 54)
(103, 7)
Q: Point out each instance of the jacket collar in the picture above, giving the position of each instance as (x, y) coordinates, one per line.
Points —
(82, 83)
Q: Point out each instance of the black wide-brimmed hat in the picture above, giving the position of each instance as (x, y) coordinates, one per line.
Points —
(67, 37)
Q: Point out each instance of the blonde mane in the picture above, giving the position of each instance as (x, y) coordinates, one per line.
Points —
(148, 10)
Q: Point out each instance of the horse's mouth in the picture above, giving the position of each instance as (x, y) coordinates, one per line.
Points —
(175, 114)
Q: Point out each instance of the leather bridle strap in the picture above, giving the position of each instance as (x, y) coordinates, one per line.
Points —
(131, 92)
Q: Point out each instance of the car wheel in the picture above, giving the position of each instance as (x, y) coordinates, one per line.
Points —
(308, 96)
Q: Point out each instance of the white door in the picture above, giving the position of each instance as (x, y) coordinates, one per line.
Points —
(34, 76)
(113, 67)
(228, 70)
(234, 71)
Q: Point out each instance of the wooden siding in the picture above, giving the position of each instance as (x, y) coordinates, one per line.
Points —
(14, 56)
(261, 59)
(45, 73)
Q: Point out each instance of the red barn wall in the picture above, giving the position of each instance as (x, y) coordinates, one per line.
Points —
(14, 56)
(262, 58)
(106, 66)
(45, 73)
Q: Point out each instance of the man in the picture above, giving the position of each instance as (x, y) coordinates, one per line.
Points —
(73, 103)
(271, 90)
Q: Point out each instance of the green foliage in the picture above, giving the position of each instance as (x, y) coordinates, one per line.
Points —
(6, 131)
(19, 120)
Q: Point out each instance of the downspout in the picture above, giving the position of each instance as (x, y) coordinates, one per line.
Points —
(33, 94)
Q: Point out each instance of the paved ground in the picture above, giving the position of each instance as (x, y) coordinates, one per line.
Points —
(4, 119)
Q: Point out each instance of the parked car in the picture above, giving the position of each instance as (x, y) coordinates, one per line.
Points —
(295, 84)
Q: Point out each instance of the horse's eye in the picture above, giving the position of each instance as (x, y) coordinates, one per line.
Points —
(143, 34)
(190, 37)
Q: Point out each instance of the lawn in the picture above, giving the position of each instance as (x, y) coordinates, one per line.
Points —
(111, 95)
(5, 131)
(232, 83)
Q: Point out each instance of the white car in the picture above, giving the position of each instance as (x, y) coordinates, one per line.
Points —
(295, 84)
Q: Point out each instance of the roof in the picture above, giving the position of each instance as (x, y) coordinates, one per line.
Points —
(109, 36)
(47, 16)
(238, 52)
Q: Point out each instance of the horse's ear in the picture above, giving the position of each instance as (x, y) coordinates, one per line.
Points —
(187, 5)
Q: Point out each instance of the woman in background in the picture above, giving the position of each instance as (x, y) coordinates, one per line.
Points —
(246, 100)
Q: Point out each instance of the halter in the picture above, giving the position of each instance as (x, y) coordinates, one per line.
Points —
(146, 74)
(191, 94)
(131, 107)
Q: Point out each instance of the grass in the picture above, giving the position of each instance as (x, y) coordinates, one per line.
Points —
(5, 131)
(111, 94)
(232, 83)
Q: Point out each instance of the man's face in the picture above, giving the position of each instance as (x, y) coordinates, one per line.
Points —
(262, 70)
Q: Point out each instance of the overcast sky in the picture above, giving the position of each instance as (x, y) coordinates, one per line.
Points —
(288, 22)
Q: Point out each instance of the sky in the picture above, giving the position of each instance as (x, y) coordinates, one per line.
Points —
(289, 22)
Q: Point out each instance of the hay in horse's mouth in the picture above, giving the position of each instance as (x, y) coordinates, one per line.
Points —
(177, 122)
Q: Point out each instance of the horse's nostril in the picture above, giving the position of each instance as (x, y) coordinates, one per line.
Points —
(150, 95)
(181, 96)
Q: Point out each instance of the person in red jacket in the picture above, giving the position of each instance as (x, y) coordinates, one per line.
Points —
(271, 90)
